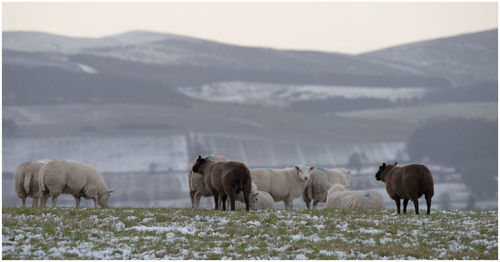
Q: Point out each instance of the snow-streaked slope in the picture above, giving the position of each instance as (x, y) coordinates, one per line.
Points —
(269, 94)
(463, 59)
(167, 49)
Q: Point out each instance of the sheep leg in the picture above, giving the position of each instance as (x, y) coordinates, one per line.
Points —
(197, 197)
(288, 204)
(398, 205)
(233, 205)
(77, 199)
(34, 203)
(54, 201)
(306, 198)
(224, 198)
(95, 202)
(315, 203)
(24, 201)
(191, 195)
(246, 195)
(428, 200)
(43, 200)
(216, 200)
(405, 204)
(415, 201)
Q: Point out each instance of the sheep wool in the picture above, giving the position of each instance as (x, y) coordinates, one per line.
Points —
(74, 178)
(339, 197)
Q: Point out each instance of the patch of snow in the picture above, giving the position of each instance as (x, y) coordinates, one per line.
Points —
(87, 69)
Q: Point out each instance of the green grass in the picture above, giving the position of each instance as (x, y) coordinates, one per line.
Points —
(160, 233)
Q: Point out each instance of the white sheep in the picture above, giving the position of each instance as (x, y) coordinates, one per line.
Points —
(282, 184)
(320, 181)
(74, 178)
(263, 200)
(26, 181)
(339, 197)
(197, 187)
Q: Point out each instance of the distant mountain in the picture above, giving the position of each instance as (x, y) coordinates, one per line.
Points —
(463, 60)
(177, 61)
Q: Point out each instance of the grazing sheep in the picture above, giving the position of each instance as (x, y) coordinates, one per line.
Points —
(408, 183)
(320, 181)
(197, 187)
(26, 181)
(339, 197)
(282, 184)
(74, 178)
(225, 179)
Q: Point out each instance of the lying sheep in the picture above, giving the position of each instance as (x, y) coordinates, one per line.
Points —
(339, 197)
(74, 178)
(227, 179)
(282, 184)
(264, 200)
(408, 183)
(26, 181)
(197, 187)
(321, 180)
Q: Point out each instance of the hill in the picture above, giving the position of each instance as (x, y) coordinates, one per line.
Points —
(463, 60)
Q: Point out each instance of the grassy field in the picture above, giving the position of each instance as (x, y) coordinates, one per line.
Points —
(159, 233)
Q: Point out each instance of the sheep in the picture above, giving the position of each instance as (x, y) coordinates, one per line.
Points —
(282, 184)
(339, 197)
(408, 183)
(320, 181)
(75, 178)
(225, 179)
(197, 187)
(26, 181)
(264, 200)
(240, 199)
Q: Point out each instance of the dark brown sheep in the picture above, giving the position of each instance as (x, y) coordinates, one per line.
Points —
(225, 179)
(408, 183)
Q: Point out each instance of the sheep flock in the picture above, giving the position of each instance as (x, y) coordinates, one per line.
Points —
(233, 185)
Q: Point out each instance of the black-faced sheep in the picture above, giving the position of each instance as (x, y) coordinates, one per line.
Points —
(408, 183)
(225, 179)
(197, 187)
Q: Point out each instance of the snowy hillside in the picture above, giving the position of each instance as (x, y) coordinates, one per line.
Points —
(269, 94)
(463, 59)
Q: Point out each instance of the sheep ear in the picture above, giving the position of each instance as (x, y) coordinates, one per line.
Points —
(297, 167)
(199, 156)
(383, 164)
(111, 191)
(311, 168)
(396, 163)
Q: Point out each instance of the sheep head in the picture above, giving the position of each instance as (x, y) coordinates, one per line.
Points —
(304, 172)
(379, 175)
(199, 162)
(103, 199)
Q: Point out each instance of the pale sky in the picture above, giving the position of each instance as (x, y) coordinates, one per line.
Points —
(336, 27)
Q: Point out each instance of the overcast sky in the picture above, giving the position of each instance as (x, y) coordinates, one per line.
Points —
(339, 27)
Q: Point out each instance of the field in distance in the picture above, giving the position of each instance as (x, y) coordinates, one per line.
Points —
(164, 233)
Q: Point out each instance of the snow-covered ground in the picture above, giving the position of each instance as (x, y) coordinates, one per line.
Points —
(272, 234)
(269, 94)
